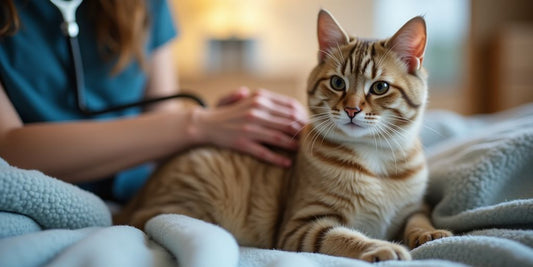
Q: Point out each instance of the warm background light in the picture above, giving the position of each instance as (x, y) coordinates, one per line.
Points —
(272, 44)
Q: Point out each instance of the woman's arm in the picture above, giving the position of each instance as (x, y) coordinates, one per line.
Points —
(163, 79)
(88, 150)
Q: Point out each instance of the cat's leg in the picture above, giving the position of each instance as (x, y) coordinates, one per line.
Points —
(329, 237)
(419, 230)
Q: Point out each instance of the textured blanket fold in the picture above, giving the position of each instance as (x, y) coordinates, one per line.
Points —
(484, 180)
(51, 203)
(481, 187)
(194, 242)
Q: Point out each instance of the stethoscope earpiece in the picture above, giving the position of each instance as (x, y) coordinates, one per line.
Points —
(68, 11)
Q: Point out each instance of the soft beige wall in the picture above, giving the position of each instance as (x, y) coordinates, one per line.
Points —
(284, 29)
(491, 18)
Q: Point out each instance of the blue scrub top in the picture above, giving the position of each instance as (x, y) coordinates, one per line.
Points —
(35, 67)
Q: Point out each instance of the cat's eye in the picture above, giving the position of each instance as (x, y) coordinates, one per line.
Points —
(337, 83)
(379, 88)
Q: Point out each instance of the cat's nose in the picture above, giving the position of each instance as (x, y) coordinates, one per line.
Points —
(352, 111)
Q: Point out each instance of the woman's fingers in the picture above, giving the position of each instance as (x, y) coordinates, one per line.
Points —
(285, 101)
(284, 105)
(290, 127)
(239, 94)
(251, 123)
(278, 98)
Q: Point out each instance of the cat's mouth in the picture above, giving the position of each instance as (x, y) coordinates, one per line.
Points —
(352, 125)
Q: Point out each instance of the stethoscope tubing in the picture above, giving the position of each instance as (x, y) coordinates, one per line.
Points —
(70, 29)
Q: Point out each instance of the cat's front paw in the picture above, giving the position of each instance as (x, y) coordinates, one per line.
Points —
(384, 251)
(422, 236)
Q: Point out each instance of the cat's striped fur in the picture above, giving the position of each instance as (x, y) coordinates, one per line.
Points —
(359, 175)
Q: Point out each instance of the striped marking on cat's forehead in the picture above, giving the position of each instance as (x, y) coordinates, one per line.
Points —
(361, 55)
(356, 55)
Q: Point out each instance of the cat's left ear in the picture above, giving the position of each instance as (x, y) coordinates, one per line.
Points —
(330, 34)
(410, 43)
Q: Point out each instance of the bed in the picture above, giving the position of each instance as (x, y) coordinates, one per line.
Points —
(481, 187)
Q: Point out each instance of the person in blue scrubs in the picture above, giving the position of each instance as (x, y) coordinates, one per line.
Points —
(41, 128)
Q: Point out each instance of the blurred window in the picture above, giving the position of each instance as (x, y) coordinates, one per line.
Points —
(447, 27)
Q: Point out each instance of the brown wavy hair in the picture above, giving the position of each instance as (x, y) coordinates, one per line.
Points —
(121, 28)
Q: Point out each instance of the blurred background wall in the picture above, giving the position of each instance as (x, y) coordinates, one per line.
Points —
(479, 52)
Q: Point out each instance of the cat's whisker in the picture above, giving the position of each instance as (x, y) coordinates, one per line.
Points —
(400, 118)
(314, 125)
(327, 133)
(374, 132)
(327, 127)
(315, 130)
(330, 55)
(327, 112)
(409, 120)
(312, 120)
(319, 129)
(395, 128)
(381, 131)
(312, 138)
(388, 130)
(297, 132)
(340, 52)
(319, 107)
(318, 120)
(433, 130)
(391, 134)
(320, 114)
(318, 117)
(404, 134)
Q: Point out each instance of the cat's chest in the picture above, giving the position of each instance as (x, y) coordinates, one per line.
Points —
(381, 188)
(378, 205)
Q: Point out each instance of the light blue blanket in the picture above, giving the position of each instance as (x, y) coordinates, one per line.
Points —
(45, 202)
(481, 185)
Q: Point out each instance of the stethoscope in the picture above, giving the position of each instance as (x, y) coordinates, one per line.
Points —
(71, 30)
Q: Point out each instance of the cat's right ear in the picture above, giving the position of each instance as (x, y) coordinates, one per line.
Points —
(330, 34)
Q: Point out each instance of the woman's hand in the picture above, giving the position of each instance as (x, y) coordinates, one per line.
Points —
(248, 122)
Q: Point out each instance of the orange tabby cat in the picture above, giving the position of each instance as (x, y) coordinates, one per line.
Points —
(359, 176)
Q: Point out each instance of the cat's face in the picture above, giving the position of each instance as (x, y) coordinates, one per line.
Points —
(366, 90)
